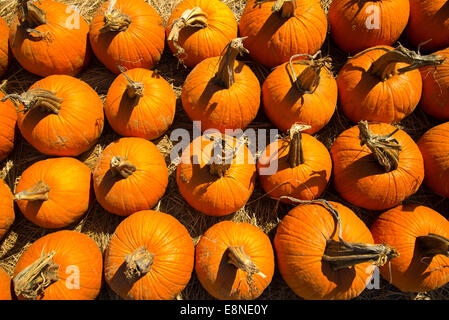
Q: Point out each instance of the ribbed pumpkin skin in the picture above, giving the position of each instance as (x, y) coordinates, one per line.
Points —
(223, 280)
(428, 20)
(349, 21)
(300, 242)
(5, 54)
(363, 182)
(215, 106)
(435, 151)
(7, 215)
(8, 120)
(285, 104)
(306, 181)
(140, 191)
(72, 249)
(399, 227)
(140, 46)
(273, 40)
(203, 43)
(69, 181)
(5, 285)
(363, 96)
(64, 51)
(172, 246)
(146, 117)
(77, 127)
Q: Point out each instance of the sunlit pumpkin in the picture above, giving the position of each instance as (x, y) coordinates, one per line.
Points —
(7, 215)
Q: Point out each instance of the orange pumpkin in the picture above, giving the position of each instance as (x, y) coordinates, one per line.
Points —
(54, 193)
(60, 115)
(324, 251)
(278, 30)
(5, 285)
(140, 103)
(221, 92)
(216, 174)
(7, 215)
(134, 25)
(150, 257)
(130, 175)
(376, 166)
(234, 261)
(5, 54)
(49, 37)
(63, 265)
(200, 29)
(8, 120)
(421, 236)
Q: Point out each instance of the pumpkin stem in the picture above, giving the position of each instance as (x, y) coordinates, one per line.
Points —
(295, 153)
(385, 148)
(223, 155)
(138, 263)
(225, 73)
(433, 244)
(34, 279)
(31, 15)
(37, 98)
(119, 166)
(39, 192)
(114, 19)
(239, 259)
(285, 7)
(133, 89)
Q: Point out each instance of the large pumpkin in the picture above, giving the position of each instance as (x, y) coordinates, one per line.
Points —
(376, 166)
(63, 265)
(54, 193)
(7, 215)
(234, 261)
(421, 236)
(200, 29)
(222, 93)
(5, 285)
(49, 37)
(276, 30)
(8, 120)
(324, 251)
(140, 103)
(134, 25)
(150, 257)
(130, 175)
(5, 54)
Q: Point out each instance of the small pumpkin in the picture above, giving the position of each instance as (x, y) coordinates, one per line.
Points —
(277, 30)
(222, 93)
(5, 54)
(376, 166)
(49, 37)
(54, 193)
(7, 215)
(5, 285)
(63, 265)
(8, 120)
(325, 252)
(421, 236)
(200, 29)
(134, 25)
(140, 103)
(60, 115)
(130, 175)
(234, 261)
(150, 256)
(301, 91)
(216, 174)
(298, 166)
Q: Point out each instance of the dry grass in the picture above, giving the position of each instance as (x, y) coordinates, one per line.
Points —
(259, 211)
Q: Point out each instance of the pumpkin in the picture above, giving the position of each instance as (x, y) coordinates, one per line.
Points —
(216, 174)
(376, 166)
(5, 285)
(435, 151)
(60, 115)
(8, 120)
(54, 193)
(5, 54)
(325, 252)
(428, 26)
(48, 37)
(222, 93)
(358, 25)
(134, 25)
(421, 236)
(382, 84)
(63, 265)
(234, 261)
(150, 256)
(7, 215)
(298, 166)
(130, 175)
(301, 91)
(278, 30)
(200, 29)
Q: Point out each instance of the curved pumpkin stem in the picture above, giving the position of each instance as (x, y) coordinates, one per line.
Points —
(119, 166)
(35, 278)
(225, 73)
(239, 259)
(433, 244)
(133, 89)
(115, 20)
(285, 7)
(39, 192)
(295, 153)
(37, 98)
(30, 14)
(138, 263)
(223, 155)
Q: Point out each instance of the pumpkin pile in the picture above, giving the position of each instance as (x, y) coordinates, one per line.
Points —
(348, 187)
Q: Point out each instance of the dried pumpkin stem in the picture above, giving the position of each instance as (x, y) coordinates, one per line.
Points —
(138, 263)
(31, 15)
(133, 89)
(433, 244)
(223, 154)
(37, 98)
(295, 153)
(114, 19)
(285, 7)
(35, 278)
(119, 166)
(225, 73)
(239, 259)
(39, 192)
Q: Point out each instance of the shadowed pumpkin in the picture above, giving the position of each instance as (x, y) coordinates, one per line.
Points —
(8, 120)
(5, 285)
(5, 53)
(7, 215)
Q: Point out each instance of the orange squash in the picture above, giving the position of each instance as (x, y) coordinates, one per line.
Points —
(5, 285)
(7, 215)
(8, 120)
(5, 54)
